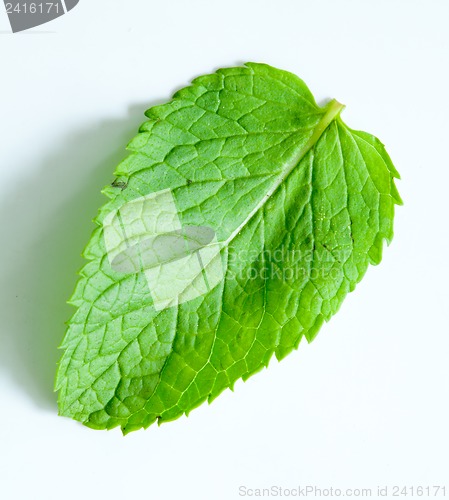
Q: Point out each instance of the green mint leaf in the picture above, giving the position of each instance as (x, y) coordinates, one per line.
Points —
(237, 225)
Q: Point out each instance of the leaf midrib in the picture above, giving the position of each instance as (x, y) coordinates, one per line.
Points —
(334, 108)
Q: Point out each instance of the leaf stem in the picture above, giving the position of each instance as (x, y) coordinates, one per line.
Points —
(333, 109)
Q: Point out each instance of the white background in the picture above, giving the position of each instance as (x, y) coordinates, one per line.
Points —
(365, 404)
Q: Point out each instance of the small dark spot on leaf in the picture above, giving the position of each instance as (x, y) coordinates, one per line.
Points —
(189, 181)
(119, 184)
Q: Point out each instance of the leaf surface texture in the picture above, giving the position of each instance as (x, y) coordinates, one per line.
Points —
(300, 205)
